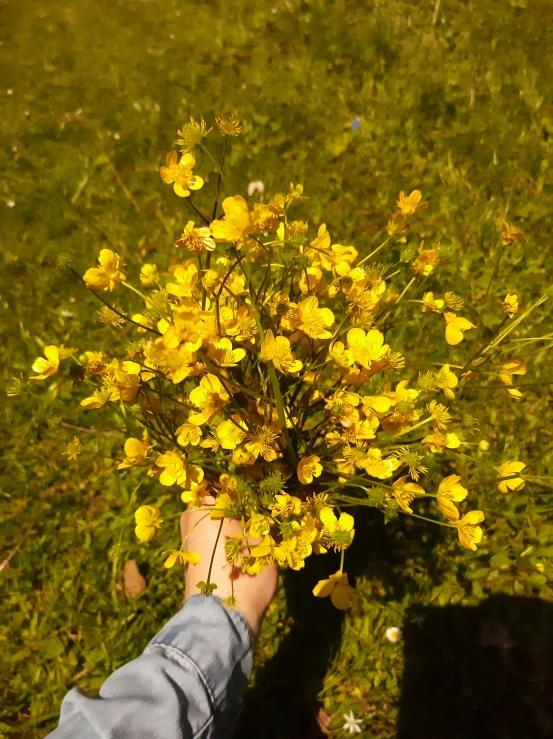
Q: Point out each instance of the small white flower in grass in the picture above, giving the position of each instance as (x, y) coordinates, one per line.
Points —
(353, 725)
(393, 634)
(255, 186)
(10, 203)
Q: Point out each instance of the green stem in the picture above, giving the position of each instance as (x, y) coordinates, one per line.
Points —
(213, 552)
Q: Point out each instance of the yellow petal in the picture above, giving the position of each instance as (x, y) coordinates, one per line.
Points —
(341, 597)
(324, 588)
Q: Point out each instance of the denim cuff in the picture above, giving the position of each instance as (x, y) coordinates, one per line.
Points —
(217, 642)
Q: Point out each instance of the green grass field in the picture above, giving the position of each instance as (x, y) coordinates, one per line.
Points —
(356, 101)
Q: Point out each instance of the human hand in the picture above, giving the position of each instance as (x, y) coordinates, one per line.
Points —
(253, 593)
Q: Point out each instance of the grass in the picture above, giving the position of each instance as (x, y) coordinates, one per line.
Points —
(454, 98)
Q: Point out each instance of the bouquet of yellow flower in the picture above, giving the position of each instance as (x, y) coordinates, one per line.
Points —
(261, 375)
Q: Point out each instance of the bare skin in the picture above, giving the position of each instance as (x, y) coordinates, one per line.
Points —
(252, 592)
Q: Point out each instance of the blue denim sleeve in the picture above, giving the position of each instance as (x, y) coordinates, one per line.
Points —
(186, 685)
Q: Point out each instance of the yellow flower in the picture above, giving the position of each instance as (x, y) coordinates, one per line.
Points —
(262, 442)
(186, 276)
(341, 259)
(107, 275)
(446, 380)
(308, 468)
(323, 239)
(210, 397)
(279, 352)
(174, 471)
(221, 508)
(411, 203)
(49, 364)
(295, 194)
(513, 367)
(286, 505)
(182, 558)
(341, 593)
(340, 530)
(425, 261)
(265, 216)
(509, 233)
(148, 275)
(224, 355)
(73, 449)
(510, 468)
(231, 433)
(98, 398)
(187, 434)
(136, 451)
(236, 223)
(148, 521)
(195, 239)
(259, 525)
(455, 328)
(470, 534)
(191, 134)
(510, 305)
(430, 304)
(405, 492)
(181, 174)
(450, 490)
(311, 280)
(313, 320)
(341, 356)
(366, 348)
(436, 442)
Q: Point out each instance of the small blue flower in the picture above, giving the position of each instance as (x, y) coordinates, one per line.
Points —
(356, 124)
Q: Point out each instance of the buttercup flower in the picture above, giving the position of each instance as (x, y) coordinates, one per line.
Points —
(73, 449)
(279, 352)
(404, 492)
(148, 275)
(342, 595)
(411, 203)
(49, 364)
(107, 275)
(446, 380)
(509, 234)
(313, 320)
(195, 239)
(510, 468)
(455, 328)
(135, 452)
(174, 471)
(236, 223)
(148, 521)
(182, 558)
(210, 397)
(450, 490)
(510, 305)
(308, 468)
(470, 534)
(181, 174)
(366, 348)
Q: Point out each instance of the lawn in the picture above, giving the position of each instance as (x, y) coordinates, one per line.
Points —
(356, 101)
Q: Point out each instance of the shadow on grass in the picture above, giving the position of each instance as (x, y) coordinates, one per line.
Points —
(283, 702)
(480, 673)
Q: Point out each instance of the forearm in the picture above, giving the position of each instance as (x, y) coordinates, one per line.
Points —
(187, 684)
